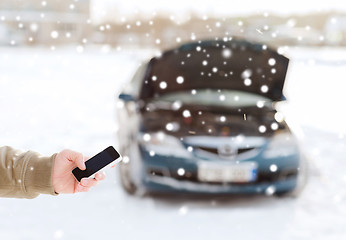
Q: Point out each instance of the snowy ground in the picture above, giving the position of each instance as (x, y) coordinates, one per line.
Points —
(50, 100)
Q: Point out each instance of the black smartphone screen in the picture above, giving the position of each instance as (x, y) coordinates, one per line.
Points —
(96, 163)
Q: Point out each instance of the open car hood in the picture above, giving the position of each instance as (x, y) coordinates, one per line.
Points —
(233, 64)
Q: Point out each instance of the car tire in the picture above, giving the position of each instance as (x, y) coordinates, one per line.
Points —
(128, 169)
(125, 178)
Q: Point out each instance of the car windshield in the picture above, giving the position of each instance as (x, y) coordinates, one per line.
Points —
(212, 97)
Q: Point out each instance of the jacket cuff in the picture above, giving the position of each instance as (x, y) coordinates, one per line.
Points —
(38, 175)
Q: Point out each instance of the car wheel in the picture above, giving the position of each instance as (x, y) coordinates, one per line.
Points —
(125, 177)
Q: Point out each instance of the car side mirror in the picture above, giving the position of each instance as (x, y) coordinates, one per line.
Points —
(127, 97)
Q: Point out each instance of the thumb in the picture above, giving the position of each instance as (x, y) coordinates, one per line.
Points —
(77, 158)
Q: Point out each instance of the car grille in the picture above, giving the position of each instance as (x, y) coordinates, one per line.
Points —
(215, 150)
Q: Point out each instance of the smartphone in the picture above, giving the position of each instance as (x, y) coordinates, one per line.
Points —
(107, 158)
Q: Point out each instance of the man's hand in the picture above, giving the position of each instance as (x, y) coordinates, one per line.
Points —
(62, 177)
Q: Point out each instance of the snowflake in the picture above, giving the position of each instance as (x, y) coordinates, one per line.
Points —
(264, 88)
(180, 79)
(146, 137)
(181, 171)
(247, 82)
(80, 49)
(270, 190)
(246, 73)
(163, 85)
(262, 129)
(186, 113)
(274, 126)
(226, 53)
(271, 61)
(183, 210)
(222, 98)
(54, 34)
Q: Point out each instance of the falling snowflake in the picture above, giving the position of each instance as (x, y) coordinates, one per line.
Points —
(183, 210)
(146, 137)
(279, 117)
(54, 34)
(163, 85)
(274, 126)
(262, 129)
(180, 79)
(181, 171)
(247, 82)
(273, 168)
(270, 190)
(186, 113)
(226, 53)
(80, 49)
(169, 127)
(246, 73)
(271, 62)
(264, 89)
(126, 159)
(222, 97)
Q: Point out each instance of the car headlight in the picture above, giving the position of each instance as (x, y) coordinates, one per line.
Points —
(162, 144)
(281, 145)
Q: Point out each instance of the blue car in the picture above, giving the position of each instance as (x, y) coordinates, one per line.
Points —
(202, 118)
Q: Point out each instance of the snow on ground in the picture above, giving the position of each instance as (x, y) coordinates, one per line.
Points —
(50, 100)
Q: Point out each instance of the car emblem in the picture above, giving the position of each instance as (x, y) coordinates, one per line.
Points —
(227, 151)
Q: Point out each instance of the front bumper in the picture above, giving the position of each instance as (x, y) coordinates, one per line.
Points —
(170, 185)
(159, 174)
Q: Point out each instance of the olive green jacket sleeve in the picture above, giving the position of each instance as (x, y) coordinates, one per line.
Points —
(25, 174)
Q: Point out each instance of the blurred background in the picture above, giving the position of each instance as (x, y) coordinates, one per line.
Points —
(63, 62)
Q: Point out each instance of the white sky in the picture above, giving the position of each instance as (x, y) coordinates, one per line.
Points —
(127, 8)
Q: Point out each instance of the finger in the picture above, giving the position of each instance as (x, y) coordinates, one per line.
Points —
(100, 176)
(86, 182)
(77, 158)
(81, 188)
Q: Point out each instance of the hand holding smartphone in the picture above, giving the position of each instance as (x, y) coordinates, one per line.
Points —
(107, 158)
